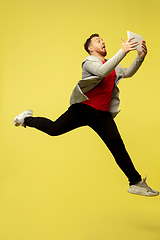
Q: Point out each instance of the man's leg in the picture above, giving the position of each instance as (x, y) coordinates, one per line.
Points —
(68, 121)
(107, 130)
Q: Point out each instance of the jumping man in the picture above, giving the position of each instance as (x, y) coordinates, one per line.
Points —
(94, 102)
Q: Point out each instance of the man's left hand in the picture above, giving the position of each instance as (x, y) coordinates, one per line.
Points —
(144, 50)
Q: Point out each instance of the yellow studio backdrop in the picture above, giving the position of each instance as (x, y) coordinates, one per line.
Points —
(69, 187)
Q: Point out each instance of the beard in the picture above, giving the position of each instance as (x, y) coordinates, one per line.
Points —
(103, 52)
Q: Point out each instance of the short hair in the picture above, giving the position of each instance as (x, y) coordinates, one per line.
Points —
(88, 41)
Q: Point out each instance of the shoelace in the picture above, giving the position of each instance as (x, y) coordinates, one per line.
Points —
(144, 184)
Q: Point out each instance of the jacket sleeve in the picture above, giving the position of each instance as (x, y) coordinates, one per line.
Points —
(103, 70)
(132, 69)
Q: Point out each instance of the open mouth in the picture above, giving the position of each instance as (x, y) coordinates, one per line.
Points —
(103, 47)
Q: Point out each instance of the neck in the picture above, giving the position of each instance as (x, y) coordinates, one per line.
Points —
(99, 56)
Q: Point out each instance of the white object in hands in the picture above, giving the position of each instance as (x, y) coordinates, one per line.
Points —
(136, 38)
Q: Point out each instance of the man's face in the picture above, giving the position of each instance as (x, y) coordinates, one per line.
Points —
(97, 46)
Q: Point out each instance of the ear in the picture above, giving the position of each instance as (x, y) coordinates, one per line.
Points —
(90, 48)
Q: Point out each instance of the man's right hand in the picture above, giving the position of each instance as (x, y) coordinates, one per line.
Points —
(128, 45)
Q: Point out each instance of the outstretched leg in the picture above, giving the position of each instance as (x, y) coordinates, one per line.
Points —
(68, 121)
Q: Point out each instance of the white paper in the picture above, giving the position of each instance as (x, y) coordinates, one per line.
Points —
(136, 38)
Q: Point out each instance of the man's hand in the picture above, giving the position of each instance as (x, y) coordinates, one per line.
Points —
(128, 45)
(144, 50)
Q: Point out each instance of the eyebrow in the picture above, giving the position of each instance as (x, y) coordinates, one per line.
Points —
(98, 38)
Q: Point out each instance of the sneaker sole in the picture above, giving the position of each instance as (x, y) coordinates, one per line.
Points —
(147, 194)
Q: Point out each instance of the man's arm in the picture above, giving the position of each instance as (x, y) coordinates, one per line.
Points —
(132, 69)
(103, 70)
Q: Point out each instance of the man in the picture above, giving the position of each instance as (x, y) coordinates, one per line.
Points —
(94, 102)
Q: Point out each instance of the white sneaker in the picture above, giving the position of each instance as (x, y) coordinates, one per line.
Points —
(19, 120)
(141, 188)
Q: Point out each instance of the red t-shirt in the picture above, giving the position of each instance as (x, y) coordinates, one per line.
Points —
(100, 97)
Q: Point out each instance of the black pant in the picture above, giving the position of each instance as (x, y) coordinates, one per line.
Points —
(100, 121)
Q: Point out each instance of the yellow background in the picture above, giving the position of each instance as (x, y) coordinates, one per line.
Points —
(69, 187)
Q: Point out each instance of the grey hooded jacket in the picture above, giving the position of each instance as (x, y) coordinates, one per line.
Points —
(93, 72)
